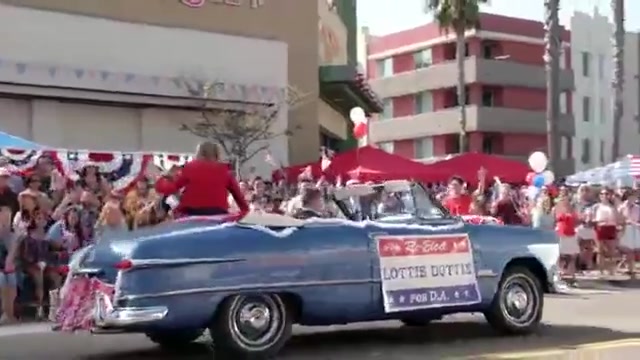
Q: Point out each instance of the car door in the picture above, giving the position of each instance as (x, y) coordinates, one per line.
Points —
(415, 264)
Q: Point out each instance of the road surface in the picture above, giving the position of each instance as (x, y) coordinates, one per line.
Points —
(587, 321)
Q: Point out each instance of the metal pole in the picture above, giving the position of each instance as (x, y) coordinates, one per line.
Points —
(552, 59)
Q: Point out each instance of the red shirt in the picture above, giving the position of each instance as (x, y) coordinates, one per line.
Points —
(458, 205)
(204, 184)
(566, 224)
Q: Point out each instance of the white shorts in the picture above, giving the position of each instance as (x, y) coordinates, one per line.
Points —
(630, 239)
(585, 233)
(569, 245)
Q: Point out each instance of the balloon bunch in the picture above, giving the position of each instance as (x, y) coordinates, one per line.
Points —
(539, 177)
(359, 120)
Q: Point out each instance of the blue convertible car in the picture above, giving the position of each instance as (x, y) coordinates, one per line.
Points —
(249, 282)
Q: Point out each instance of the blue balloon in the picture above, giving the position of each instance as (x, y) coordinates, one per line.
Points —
(538, 180)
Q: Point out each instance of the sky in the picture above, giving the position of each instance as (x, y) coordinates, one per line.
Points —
(385, 16)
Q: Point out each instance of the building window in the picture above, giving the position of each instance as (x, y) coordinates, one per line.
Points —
(602, 145)
(455, 97)
(386, 146)
(423, 148)
(488, 144)
(488, 97)
(565, 143)
(602, 111)
(488, 51)
(563, 59)
(455, 144)
(586, 64)
(385, 67)
(586, 108)
(422, 59)
(563, 102)
(423, 102)
(601, 60)
(387, 109)
(586, 151)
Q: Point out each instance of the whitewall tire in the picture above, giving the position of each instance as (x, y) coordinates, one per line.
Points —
(518, 304)
(251, 326)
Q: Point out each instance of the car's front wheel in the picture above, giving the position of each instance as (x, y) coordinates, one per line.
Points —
(517, 305)
(251, 326)
(175, 339)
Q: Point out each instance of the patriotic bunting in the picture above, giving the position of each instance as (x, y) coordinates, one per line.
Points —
(122, 169)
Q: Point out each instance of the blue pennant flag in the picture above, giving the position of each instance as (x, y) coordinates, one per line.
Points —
(79, 73)
(104, 75)
(53, 71)
(129, 77)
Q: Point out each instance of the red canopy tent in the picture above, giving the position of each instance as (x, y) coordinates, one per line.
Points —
(467, 165)
(366, 164)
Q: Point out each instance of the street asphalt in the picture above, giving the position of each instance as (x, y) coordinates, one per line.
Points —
(601, 323)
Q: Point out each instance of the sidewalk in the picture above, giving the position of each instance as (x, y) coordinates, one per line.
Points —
(24, 328)
(595, 280)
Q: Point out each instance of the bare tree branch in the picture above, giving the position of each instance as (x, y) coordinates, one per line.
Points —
(240, 132)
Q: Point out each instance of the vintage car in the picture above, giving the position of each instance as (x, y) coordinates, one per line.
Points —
(249, 282)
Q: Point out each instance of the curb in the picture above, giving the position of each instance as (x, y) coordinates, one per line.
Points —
(610, 283)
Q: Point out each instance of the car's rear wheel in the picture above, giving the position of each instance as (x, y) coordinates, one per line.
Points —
(175, 339)
(251, 326)
(518, 304)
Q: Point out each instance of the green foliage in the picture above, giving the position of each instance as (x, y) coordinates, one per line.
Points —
(456, 15)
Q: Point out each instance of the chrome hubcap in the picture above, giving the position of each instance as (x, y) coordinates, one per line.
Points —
(519, 302)
(256, 321)
(253, 319)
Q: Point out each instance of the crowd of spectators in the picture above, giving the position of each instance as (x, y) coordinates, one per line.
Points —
(44, 218)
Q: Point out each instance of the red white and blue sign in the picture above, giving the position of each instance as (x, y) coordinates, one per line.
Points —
(427, 271)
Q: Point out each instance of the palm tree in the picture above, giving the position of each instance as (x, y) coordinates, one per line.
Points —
(553, 46)
(617, 82)
(457, 16)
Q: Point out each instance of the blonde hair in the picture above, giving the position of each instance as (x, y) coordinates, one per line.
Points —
(106, 211)
(207, 150)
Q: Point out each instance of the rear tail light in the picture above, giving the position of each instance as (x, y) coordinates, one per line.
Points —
(125, 264)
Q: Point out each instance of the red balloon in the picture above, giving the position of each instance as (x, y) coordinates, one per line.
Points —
(360, 130)
(529, 178)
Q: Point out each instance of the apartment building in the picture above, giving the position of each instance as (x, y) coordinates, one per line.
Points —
(591, 57)
(415, 73)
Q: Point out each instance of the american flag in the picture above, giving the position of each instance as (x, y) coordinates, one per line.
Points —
(634, 166)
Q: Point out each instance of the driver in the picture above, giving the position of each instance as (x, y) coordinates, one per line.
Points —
(390, 204)
(312, 205)
(457, 201)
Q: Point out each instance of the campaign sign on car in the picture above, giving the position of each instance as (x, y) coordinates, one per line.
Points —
(426, 271)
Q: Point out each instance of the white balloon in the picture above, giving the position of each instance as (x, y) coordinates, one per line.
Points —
(548, 177)
(538, 161)
(357, 115)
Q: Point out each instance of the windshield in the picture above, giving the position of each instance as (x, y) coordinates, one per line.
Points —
(385, 205)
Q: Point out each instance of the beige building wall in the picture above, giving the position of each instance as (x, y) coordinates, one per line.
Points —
(293, 22)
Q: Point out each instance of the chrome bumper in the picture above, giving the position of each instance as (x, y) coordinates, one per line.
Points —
(106, 316)
(555, 281)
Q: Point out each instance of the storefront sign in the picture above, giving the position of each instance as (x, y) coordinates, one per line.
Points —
(332, 35)
(200, 3)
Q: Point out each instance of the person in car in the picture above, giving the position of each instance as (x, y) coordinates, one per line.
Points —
(312, 205)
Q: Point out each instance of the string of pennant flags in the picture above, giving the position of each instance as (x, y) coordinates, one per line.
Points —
(55, 75)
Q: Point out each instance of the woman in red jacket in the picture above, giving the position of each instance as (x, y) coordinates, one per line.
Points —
(205, 184)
